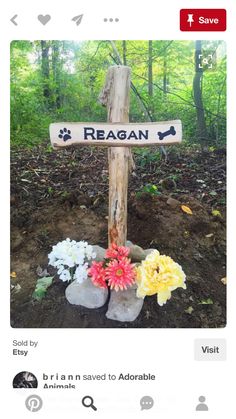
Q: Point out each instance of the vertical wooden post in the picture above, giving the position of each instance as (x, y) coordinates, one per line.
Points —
(115, 96)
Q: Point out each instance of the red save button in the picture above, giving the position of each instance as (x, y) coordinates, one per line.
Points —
(203, 20)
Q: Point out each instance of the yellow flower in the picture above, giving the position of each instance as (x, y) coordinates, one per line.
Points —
(159, 274)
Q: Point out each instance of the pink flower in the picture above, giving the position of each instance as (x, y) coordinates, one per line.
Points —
(117, 272)
(120, 274)
(123, 251)
(97, 274)
(117, 252)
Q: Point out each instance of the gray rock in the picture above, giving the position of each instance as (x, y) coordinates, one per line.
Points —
(86, 294)
(124, 306)
(148, 251)
(136, 252)
(41, 272)
(100, 253)
(173, 203)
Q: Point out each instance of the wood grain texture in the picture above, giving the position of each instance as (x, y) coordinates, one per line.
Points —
(115, 134)
(115, 96)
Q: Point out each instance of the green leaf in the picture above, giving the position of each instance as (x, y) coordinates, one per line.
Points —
(46, 281)
(41, 287)
(208, 301)
(151, 189)
(189, 310)
(39, 294)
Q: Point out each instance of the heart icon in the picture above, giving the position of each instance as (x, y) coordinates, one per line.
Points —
(44, 19)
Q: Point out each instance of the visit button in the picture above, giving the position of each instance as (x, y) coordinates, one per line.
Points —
(203, 20)
(210, 350)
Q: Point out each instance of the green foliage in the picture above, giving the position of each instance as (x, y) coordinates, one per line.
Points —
(174, 177)
(146, 156)
(61, 80)
(151, 189)
(42, 285)
(50, 190)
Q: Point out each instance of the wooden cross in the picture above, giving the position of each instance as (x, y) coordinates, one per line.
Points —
(119, 136)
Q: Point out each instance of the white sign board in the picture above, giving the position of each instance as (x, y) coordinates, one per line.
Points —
(65, 134)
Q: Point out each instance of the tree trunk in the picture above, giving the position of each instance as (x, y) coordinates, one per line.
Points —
(165, 75)
(197, 92)
(56, 74)
(124, 52)
(45, 68)
(150, 69)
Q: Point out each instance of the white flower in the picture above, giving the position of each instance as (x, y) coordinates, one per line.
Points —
(58, 263)
(89, 252)
(65, 275)
(60, 269)
(68, 260)
(81, 273)
(71, 256)
(52, 258)
(79, 257)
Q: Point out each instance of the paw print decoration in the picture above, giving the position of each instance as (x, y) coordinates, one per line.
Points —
(65, 134)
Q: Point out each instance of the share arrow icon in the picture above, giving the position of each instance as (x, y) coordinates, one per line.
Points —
(13, 20)
(77, 19)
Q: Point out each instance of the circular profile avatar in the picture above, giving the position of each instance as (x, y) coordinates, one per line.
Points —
(202, 406)
(25, 379)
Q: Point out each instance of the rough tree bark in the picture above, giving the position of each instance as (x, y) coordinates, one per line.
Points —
(56, 73)
(124, 47)
(45, 68)
(115, 96)
(165, 74)
(150, 69)
(198, 100)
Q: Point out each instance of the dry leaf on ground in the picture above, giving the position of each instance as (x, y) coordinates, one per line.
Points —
(186, 209)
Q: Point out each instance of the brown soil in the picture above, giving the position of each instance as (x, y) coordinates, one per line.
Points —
(55, 196)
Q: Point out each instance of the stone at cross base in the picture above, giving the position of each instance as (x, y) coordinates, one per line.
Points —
(86, 294)
(137, 253)
(123, 306)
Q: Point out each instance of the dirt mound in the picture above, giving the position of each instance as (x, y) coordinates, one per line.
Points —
(196, 241)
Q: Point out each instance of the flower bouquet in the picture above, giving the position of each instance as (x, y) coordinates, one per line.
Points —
(129, 283)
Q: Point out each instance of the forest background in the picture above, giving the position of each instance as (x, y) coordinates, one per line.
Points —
(61, 81)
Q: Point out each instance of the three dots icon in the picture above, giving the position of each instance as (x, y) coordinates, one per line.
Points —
(110, 19)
